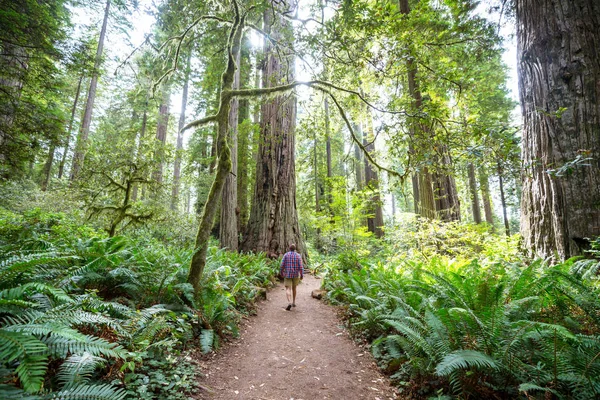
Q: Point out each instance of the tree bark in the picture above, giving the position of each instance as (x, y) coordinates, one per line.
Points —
(61, 166)
(82, 139)
(179, 149)
(244, 138)
(273, 223)
(134, 190)
(503, 200)
(228, 226)
(474, 194)
(358, 162)
(161, 132)
(484, 185)
(374, 212)
(223, 166)
(328, 152)
(559, 86)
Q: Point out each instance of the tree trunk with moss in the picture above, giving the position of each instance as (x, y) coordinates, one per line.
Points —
(223, 166)
(475, 207)
(374, 210)
(559, 70)
(228, 226)
(273, 223)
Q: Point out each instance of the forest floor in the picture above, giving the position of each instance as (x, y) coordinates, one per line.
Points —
(302, 354)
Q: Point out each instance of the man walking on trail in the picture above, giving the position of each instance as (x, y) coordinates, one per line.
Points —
(292, 272)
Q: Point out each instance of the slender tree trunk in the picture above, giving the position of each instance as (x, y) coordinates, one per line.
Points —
(484, 184)
(63, 160)
(474, 194)
(82, 139)
(316, 172)
(48, 166)
(179, 150)
(161, 133)
(358, 162)
(503, 200)
(273, 223)
(134, 190)
(228, 227)
(328, 153)
(375, 212)
(559, 86)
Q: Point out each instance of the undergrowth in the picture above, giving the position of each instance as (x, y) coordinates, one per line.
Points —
(492, 326)
(83, 315)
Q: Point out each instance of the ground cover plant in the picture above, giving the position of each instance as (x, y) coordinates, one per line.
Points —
(83, 315)
(492, 326)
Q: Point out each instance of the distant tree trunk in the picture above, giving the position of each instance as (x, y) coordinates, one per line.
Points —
(474, 194)
(273, 222)
(161, 133)
(559, 69)
(445, 192)
(82, 139)
(316, 172)
(484, 185)
(426, 198)
(503, 199)
(328, 152)
(375, 212)
(358, 163)
(61, 166)
(179, 150)
(228, 227)
(48, 166)
(134, 190)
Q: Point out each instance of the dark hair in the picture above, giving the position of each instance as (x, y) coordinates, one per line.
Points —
(292, 247)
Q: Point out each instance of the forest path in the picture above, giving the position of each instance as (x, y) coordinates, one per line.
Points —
(302, 354)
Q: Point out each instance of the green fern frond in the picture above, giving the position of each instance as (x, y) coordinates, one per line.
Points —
(26, 290)
(62, 347)
(78, 368)
(31, 371)
(207, 339)
(464, 359)
(531, 387)
(9, 392)
(15, 345)
(88, 392)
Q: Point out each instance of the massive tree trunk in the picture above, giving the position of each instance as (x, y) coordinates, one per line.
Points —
(475, 207)
(273, 223)
(447, 203)
(228, 227)
(179, 149)
(82, 139)
(375, 212)
(559, 85)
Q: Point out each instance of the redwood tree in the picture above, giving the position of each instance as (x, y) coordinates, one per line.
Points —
(273, 222)
(559, 85)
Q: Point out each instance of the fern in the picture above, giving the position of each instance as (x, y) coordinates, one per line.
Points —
(464, 359)
(88, 392)
(78, 368)
(207, 339)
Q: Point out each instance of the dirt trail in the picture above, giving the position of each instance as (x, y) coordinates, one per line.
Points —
(302, 354)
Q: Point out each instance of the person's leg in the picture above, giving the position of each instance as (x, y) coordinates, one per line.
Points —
(294, 285)
(288, 292)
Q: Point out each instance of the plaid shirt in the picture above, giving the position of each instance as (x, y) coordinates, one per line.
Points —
(291, 265)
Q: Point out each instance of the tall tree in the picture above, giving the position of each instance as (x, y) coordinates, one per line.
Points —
(179, 149)
(273, 222)
(475, 207)
(375, 212)
(161, 131)
(559, 70)
(228, 226)
(82, 138)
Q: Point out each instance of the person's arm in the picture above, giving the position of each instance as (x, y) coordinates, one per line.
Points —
(281, 267)
(301, 268)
